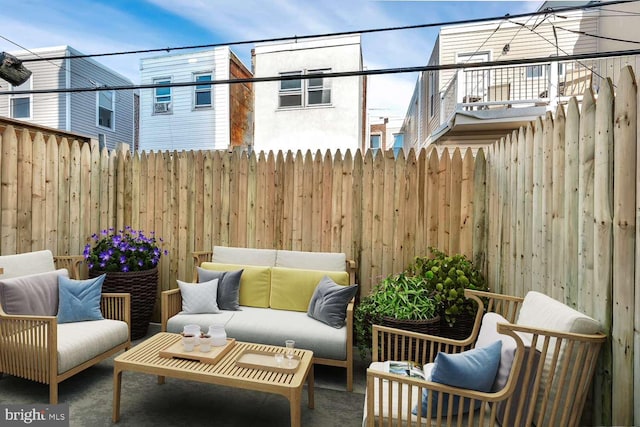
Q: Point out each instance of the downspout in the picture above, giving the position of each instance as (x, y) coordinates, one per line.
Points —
(67, 103)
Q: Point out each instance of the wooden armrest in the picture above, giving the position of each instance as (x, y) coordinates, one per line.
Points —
(170, 305)
(116, 306)
(73, 263)
(198, 258)
(505, 305)
(399, 344)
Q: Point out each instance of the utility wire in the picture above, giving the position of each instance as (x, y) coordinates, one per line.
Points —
(344, 33)
(399, 70)
(584, 33)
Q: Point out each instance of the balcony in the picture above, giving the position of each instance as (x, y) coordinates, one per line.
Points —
(485, 103)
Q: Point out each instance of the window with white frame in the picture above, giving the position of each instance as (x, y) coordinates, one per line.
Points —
(106, 108)
(316, 90)
(534, 71)
(202, 92)
(21, 104)
(375, 142)
(162, 96)
(290, 91)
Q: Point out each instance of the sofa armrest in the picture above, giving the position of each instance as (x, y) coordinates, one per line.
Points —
(198, 258)
(73, 263)
(28, 346)
(116, 306)
(351, 269)
(171, 304)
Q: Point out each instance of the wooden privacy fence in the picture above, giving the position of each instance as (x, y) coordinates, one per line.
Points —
(379, 210)
(562, 205)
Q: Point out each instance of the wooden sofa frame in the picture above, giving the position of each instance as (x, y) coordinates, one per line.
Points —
(34, 355)
(171, 304)
(573, 372)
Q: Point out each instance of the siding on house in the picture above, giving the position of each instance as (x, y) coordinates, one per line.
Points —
(74, 112)
(338, 125)
(186, 128)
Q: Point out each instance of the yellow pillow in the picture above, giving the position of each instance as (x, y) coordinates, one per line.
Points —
(292, 288)
(254, 282)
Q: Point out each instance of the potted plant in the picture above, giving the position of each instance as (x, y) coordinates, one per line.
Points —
(447, 277)
(400, 301)
(130, 260)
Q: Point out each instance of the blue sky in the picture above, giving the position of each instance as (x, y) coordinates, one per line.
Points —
(92, 26)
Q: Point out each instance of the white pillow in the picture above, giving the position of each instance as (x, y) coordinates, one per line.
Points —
(199, 297)
(488, 335)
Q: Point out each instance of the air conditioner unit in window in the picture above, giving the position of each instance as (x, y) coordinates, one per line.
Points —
(162, 107)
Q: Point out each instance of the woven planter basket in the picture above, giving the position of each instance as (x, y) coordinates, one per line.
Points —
(460, 330)
(143, 287)
(429, 326)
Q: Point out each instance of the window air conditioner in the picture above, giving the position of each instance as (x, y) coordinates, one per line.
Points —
(162, 107)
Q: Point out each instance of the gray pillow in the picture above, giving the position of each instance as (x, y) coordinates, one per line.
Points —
(329, 302)
(228, 286)
(35, 294)
(199, 297)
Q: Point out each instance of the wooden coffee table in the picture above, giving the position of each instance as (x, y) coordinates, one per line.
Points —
(145, 358)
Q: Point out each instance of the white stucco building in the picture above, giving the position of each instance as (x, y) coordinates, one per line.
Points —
(316, 113)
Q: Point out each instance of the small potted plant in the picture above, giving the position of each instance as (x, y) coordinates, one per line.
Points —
(130, 260)
(400, 301)
(447, 277)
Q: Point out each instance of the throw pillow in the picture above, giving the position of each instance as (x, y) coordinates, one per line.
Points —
(33, 294)
(329, 302)
(228, 297)
(488, 335)
(199, 297)
(79, 300)
(473, 370)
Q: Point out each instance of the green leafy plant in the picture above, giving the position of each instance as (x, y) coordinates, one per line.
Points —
(401, 296)
(447, 277)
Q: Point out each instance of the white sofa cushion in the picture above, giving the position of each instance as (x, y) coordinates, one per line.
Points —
(244, 256)
(273, 327)
(177, 323)
(489, 334)
(326, 261)
(26, 263)
(82, 341)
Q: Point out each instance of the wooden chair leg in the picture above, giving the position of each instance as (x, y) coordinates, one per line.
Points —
(53, 393)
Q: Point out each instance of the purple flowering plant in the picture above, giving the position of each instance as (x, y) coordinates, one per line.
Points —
(123, 250)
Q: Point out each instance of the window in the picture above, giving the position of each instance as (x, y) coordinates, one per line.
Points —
(202, 93)
(534, 71)
(162, 97)
(290, 91)
(375, 140)
(105, 108)
(398, 143)
(304, 93)
(21, 104)
(318, 89)
(433, 91)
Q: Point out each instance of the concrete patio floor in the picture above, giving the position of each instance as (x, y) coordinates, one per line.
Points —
(188, 403)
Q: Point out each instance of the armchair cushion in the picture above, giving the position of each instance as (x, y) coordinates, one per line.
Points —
(489, 334)
(329, 302)
(79, 300)
(473, 370)
(199, 297)
(33, 294)
(228, 297)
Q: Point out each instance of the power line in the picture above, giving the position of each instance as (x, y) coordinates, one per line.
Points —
(584, 33)
(398, 70)
(344, 33)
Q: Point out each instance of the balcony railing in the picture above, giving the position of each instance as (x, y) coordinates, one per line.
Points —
(541, 84)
